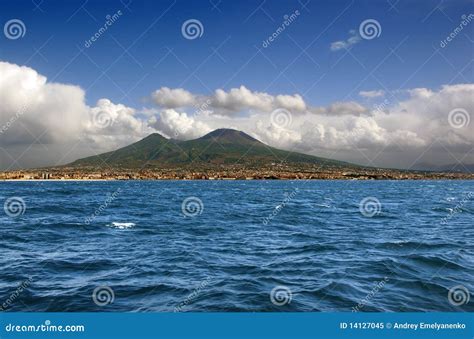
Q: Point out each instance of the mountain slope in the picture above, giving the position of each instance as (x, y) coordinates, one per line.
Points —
(219, 147)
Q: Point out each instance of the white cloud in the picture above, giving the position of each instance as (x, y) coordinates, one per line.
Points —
(294, 103)
(420, 93)
(230, 102)
(173, 124)
(353, 39)
(48, 112)
(173, 98)
(372, 94)
(110, 125)
(51, 118)
(276, 136)
(241, 98)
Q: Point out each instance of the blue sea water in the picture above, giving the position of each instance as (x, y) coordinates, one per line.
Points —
(237, 246)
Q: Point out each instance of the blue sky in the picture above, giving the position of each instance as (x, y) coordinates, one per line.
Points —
(398, 98)
(150, 29)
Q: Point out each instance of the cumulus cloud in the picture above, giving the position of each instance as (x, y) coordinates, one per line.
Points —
(241, 98)
(46, 112)
(353, 39)
(229, 102)
(173, 124)
(173, 98)
(110, 124)
(51, 118)
(372, 94)
(276, 136)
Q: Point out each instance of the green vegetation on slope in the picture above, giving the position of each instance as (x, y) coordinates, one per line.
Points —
(220, 147)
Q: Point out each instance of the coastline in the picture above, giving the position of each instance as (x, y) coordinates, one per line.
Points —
(239, 179)
(227, 172)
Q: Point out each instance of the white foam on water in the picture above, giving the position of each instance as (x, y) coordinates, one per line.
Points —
(323, 205)
(121, 225)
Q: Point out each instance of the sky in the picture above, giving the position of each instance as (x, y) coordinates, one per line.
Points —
(375, 82)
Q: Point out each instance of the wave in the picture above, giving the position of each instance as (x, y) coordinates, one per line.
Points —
(121, 225)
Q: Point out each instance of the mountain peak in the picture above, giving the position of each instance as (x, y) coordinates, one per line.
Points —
(154, 136)
(229, 135)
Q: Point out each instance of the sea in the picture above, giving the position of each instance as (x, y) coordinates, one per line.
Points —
(237, 246)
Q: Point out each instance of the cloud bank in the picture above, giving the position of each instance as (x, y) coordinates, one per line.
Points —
(44, 123)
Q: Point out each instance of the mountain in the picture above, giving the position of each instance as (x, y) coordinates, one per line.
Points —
(219, 147)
